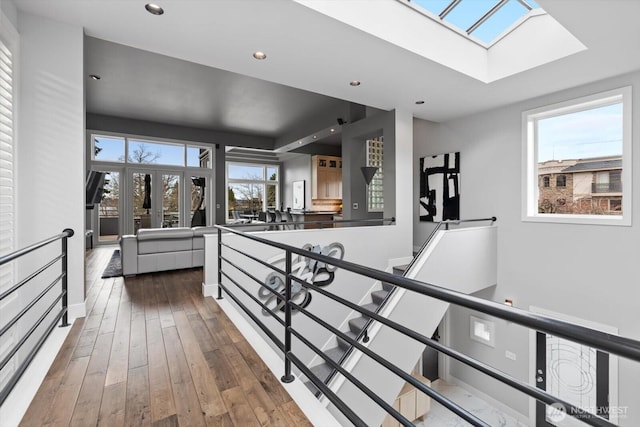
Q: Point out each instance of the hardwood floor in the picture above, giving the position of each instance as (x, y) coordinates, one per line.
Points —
(152, 351)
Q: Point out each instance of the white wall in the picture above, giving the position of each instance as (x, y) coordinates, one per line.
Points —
(296, 169)
(357, 242)
(50, 176)
(586, 271)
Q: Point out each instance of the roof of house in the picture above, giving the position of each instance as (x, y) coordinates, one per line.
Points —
(595, 165)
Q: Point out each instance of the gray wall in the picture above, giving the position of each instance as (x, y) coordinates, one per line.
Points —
(354, 156)
(296, 169)
(586, 271)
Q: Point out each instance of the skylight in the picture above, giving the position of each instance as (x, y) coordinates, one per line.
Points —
(481, 20)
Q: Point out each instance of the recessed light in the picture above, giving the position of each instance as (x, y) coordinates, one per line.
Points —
(315, 137)
(94, 77)
(419, 102)
(355, 83)
(154, 9)
(333, 130)
(260, 55)
(299, 142)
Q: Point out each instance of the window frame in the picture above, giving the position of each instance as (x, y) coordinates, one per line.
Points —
(530, 157)
(265, 182)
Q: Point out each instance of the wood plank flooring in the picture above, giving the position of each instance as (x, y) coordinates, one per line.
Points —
(152, 351)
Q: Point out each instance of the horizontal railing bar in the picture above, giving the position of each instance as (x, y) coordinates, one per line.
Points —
(261, 325)
(460, 221)
(8, 326)
(333, 398)
(256, 259)
(20, 252)
(613, 344)
(19, 344)
(30, 277)
(4, 393)
(452, 406)
(251, 276)
(395, 414)
(344, 221)
(256, 300)
(528, 389)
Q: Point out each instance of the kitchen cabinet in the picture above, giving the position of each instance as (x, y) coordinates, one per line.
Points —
(411, 403)
(326, 177)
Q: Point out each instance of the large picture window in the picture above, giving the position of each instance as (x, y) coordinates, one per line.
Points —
(252, 188)
(577, 160)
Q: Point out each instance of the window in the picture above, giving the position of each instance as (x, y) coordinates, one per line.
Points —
(375, 192)
(546, 181)
(586, 143)
(120, 149)
(9, 306)
(483, 20)
(252, 188)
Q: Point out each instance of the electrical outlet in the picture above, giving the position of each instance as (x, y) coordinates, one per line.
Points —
(217, 205)
(510, 355)
(355, 206)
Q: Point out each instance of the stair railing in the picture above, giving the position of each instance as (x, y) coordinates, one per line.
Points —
(60, 316)
(609, 343)
(363, 335)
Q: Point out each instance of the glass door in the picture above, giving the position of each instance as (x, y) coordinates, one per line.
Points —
(109, 209)
(156, 199)
(143, 200)
(171, 215)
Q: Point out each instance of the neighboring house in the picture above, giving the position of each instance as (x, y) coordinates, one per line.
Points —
(583, 186)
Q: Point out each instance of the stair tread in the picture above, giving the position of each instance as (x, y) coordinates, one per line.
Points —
(371, 307)
(342, 343)
(400, 269)
(379, 296)
(357, 324)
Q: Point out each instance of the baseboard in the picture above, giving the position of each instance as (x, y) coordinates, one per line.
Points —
(209, 290)
(308, 403)
(489, 399)
(77, 310)
(18, 401)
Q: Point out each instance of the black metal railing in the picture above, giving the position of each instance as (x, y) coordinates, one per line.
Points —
(606, 187)
(363, 335)
(61, 316)
(609, 343)
(300, 225)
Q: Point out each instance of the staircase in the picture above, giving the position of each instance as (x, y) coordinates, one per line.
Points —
(356, 330)
(438, 262)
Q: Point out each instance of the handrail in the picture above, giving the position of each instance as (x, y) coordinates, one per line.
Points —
(613, 344)
(363, 334)
(320, 223)
(61, 316)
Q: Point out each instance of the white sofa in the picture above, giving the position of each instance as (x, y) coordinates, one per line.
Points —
(161, 249)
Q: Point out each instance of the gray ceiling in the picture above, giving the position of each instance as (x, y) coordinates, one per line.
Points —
(147, 86)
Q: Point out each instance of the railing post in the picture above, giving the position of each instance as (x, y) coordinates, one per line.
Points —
(287, 377)
(65, 283)
(219, 263)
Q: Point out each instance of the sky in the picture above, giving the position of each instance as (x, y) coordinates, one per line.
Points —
(467, 12)
(592, 133)
(168, 154)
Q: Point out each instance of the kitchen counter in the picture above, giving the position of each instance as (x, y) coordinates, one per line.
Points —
(306, 216)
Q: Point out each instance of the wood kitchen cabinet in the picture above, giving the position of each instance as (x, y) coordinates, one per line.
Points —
(411, 403)
(326, 177)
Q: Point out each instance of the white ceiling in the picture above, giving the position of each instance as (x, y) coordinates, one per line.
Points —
(311, 51)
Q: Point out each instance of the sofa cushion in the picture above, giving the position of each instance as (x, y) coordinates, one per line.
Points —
(164, 233)
(160, 240)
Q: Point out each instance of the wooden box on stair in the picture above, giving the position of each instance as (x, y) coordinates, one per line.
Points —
(411, 403)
